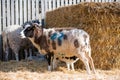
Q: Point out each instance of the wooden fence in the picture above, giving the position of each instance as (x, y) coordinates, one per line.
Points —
(18, 11)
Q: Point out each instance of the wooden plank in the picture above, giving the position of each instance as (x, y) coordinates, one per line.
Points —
(82, 1)
(43, 12)
(17, 12)
(33, 10)
(42, 9)
(50, 6)
(54, 4)
(62, 3)
(12, 12)
(0, 17)
(70, 2)
(91, 0)
(66, 2)
(4, 13)
(8, 12)
(74, 2)
(88, 0)
(117, 0)
(25, 10)
(58, 3)
(112, 0)
(95, 1)
(0, 32)
(21, 12)
(46, 5)
(37, 9)
(29, 10)
(78, 1)
(103, 0)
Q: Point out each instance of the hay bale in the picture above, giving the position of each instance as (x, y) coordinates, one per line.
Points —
(101, 21)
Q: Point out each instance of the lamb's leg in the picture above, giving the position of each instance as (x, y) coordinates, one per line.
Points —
(68, 66)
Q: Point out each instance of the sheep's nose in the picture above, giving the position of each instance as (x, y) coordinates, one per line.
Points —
(22, 34)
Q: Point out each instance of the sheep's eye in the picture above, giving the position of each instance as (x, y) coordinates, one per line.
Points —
(28, 28)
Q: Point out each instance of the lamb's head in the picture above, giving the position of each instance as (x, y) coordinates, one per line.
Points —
(31, 30)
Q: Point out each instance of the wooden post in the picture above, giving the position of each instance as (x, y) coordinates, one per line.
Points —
(17, 12)
(4, 14)
(62, 3)
(33, 10)
(37, 9)
(58, 3)
(0, 33)
(66, 2)
(50, 7)
(54, 4)
(43, 12)
(21, 12)
(8, 12)
(25, 10)
(12, 12)
(70, 2)
(0, 17)
(29, 10)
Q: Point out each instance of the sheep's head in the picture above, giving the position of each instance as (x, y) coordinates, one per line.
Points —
(31, 30)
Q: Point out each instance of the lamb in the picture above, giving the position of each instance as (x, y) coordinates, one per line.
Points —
(68, 60)
(12, 39)
(62, 42)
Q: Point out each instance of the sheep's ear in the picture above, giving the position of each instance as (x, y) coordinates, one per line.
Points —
(37, 25)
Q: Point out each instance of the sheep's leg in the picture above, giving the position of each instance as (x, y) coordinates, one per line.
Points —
(72, 66)
(26, 53)
(68, 66)
(91, 63)
(54, 63)
(16, 57)
(30, 52)
(6, 54)
(48, 57)
(85, 60)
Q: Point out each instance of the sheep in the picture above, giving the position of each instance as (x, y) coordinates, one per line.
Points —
(62, 42)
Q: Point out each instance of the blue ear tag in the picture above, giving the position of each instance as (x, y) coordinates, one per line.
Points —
(54, 36)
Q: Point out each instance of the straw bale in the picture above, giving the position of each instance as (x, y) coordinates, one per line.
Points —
(101, 21)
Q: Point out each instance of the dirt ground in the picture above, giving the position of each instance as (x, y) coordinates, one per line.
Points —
(37, 70)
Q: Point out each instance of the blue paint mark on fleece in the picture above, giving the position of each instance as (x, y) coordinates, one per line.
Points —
(58, 36)
(54, 36)
(61, 36)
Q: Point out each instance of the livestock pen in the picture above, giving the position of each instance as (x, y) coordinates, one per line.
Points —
(19, 11)
(100, 19)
